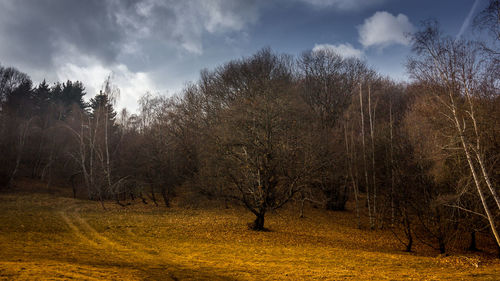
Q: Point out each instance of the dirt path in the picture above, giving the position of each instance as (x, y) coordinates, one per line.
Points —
(85, 232)
(143, 258)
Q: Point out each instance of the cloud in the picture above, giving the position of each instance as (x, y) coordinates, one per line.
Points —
(344, 5)
(93, 73)
(33, 31)
(183, 23)
(344, 50)
(88, 40)
(132, 85)
(383, 29)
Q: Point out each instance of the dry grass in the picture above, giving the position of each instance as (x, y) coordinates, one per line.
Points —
(45, 237)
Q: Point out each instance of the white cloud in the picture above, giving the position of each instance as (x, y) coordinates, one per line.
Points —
(344, 50)
(93, 73)
(344, 5)
(132, 85)
(383, 29)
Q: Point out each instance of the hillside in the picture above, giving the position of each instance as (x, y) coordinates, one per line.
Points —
(52, 237)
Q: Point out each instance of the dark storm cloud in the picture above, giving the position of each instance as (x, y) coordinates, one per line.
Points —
(35, 30)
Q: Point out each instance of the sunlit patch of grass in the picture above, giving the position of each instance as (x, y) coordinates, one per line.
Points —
(47, 237)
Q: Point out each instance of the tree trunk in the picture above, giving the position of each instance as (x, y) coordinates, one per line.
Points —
(335, 200)
(153, 196)
(391, 125)
(101, 199)
(108, 165)
(92, 151)
(442, 246)
(302, 200)
(164, 194)
(487, 179)
(73, 184)
(477, 150)
(371, 117)
(350, 163)
(367, 184)
(474, 174)
(258, 224)
(407, 228)
(410, 244)
(38, 160)
(473, 244)
(142, 199)
(117, 199)
(22, 140)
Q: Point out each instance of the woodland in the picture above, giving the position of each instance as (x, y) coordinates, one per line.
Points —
(313, 132)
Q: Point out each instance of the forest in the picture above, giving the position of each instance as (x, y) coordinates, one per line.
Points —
(269, 131)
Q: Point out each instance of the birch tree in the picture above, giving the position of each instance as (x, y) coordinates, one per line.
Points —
(452, 70)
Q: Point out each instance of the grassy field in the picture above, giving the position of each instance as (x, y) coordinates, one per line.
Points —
(49, 237)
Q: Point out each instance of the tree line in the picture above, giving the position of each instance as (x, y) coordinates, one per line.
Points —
(420, 157)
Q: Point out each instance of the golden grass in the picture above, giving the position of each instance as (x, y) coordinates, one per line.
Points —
(45, 237)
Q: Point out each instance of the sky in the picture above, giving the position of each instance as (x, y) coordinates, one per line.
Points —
(159, 46)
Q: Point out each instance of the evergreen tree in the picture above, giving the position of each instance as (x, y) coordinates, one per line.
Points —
(102, 105)
(42, 98)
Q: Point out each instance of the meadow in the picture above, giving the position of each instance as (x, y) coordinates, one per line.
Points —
(55, 237)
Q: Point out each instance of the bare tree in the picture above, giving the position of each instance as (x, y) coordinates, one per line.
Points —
(452, 70)
(327, 85)
(259, 142)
